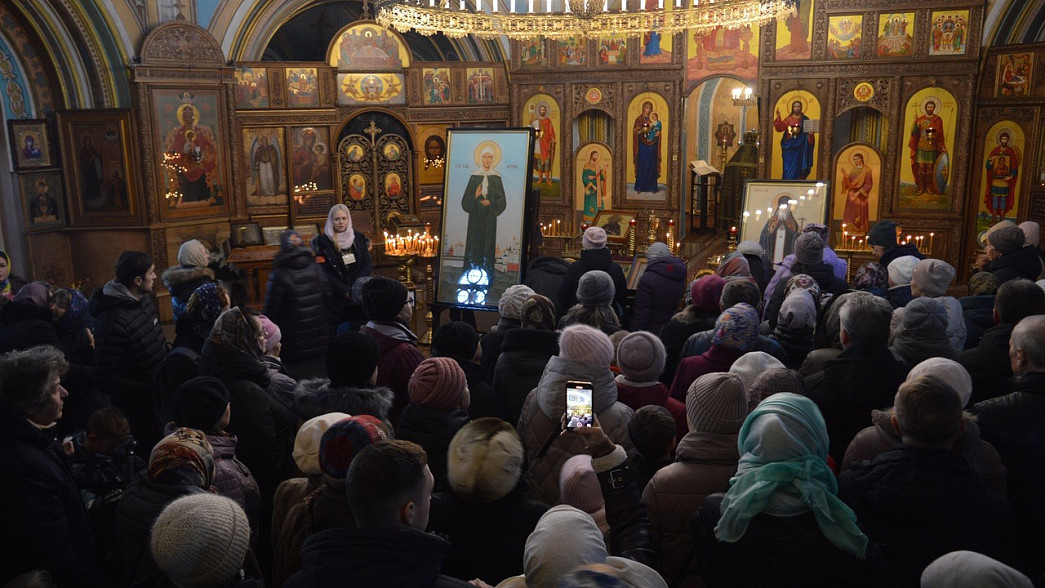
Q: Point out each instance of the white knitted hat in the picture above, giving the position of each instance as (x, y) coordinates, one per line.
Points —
(307, 441)
(201, 540)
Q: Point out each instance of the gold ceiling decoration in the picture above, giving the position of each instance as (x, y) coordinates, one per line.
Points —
(574, 18)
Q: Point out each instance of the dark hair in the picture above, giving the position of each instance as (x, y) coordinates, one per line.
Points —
(27, 377)
(1018, 299)
(382, 476)
(651, 430)
(737, 291)
(108, 424)
(130, 265)
(866, 320)
(929, 412)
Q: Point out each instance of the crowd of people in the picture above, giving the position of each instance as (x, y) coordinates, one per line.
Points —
(766, 425)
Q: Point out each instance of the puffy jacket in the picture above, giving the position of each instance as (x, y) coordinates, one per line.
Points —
(956, 333)
(318, 396)
(181, 280)
(988, 363)
(433, 430)
(544, 275)
(881, 436)
(592, 259)
(524, 355)
(1024, 263)
(657, 297)
(298, 299)
(540, 421)
(704, 464)
(978, 312)
(232, 478)
(341, 277)
(699, 343)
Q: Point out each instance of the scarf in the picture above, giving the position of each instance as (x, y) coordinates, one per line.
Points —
(233, 331)
(192, 253)
(204, 308)
(5, 285)
(736, 327)
(782, 472)
(183, 457)
(345, 239)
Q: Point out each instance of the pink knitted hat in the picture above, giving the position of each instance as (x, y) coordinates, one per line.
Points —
(584, 343)
(439, 383)
(579, 486)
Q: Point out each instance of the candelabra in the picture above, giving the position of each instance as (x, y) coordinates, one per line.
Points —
(670, 238)
(558, 229)
(731, 239)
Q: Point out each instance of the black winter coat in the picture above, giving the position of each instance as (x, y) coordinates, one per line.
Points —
(824, 275)
(899, 296)
(45, 525)
(433, 430)
(758, 271)
(592, 259)
(988, 364)
(895, 251)
(688, 321)
(318, 396)
(657, 297)
(341, 277)
(491, 343)
(978, 312)
(850, 387)
(483, 401)
(298, 299)
(1024, 263)
(919, 504)
(181, 281)
(24, 325)
(524, 354)
(544, 275)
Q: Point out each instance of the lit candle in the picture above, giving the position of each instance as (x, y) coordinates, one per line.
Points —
(732, 231)
(930, 242)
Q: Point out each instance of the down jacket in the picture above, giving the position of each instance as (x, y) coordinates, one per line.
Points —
(297, 300)
(524, 353)
(540, 421)
(182, 280)
(318, 396)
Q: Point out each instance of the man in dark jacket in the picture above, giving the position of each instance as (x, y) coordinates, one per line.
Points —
(594, 256)
(660, 289)
(45, 523)
(1013, 425)
(298, 299)
(988, 364)
(389, 489)
(129, 342)
(864, 377)
(920, 500)
(882, 239)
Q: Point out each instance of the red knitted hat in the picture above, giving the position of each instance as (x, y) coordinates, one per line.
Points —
(439, 383)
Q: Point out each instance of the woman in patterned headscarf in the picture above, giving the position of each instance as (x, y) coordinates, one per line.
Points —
(735, 332)
(10, 283)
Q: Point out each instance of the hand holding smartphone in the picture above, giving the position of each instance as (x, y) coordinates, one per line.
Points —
(579, 411)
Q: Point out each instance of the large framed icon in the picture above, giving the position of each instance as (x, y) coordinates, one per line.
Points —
(775, 211)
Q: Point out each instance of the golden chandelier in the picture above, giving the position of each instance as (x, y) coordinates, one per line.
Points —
(575, 18)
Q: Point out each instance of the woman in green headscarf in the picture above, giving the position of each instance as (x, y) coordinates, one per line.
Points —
(781, 523)
(10, 283)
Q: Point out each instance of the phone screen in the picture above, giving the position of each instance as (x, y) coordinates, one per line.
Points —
(578, 404)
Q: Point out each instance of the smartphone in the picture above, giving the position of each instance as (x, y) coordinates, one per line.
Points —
(578, 404)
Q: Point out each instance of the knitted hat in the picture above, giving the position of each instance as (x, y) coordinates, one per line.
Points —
(751, 364)
(901, 268)
(932, 276)
(798, 311)
(183, 455)
(926, 314)
(1007, 240)
(951, 372)
(657, 250)
(736, 327)
(579, 486)
(706, 292)
(802, 282)
(383, 298)
(641, 357)
(510, 304)
(351, 359)
(817, 228)
(750, 247)
(484, 461)
(344, 440)
(594, 238)
(774, 381)
(871, 276)
(200, 403)
(439, 383)
(1031, 233)
(595, 288)
(272, 333)
(809, 249)
(968, 569)
(716, 403)
(584, 343)
(983, 284)
(201, 540)
(308, 441)
(538, 312)
(39, 293)
(996, 226)
(193, 253)
(883, 233)
(455, 339)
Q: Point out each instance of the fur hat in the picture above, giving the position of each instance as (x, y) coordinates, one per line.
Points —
(309, 439)
(538, 312)
(1007, 239)
(809, 249)
(798, 311)
(510, 304)
(1031, 233)
(594, 238)
(933, 276)
(193, 253)
(484, 461)
(716, 403)
(595, 288)
(949, 371)
(901, 268)
(579, 486)
(455, 339)
(736, 327)
(383, 298)
(750, 247)
(706, 292)
(751, 364)
(584, 343)
(883, 233)
(200, 540)
(983, 284)
(773, 381)
(657, 250)
(200, 403)
(343, 441)
(439, 383)
(351, 359)
(641, 357)
(272, 333)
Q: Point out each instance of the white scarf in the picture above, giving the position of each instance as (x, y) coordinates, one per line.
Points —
(345, 239)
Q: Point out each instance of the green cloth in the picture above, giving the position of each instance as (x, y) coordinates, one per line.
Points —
(782, 472)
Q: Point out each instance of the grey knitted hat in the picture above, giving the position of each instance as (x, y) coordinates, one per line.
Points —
(595, 288)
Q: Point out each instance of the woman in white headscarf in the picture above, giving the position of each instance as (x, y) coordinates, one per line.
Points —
(342, 252)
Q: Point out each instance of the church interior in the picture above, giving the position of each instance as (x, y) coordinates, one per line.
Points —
(135, 125)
